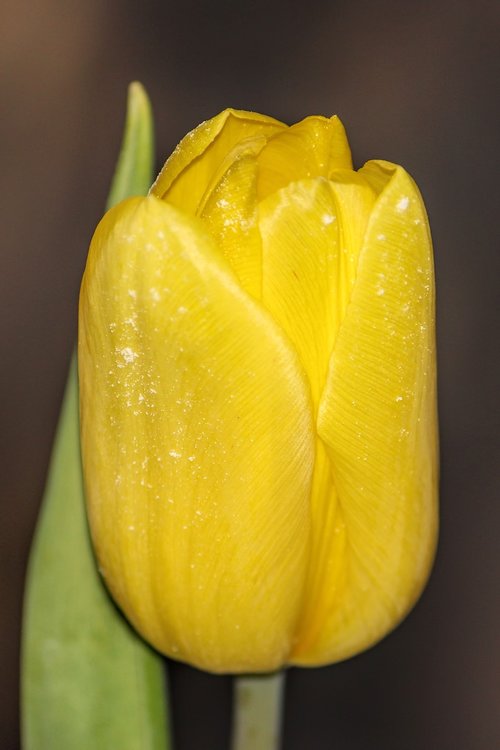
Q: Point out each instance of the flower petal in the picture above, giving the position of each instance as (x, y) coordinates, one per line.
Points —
(314, 147)
(229, 210)
(190, 168)
(377, 418)
(197, 444)
(311, 235)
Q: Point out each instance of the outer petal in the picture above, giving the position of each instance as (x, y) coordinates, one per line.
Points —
(377, 419)
(314, 147)
(197, 444)
(191, 167)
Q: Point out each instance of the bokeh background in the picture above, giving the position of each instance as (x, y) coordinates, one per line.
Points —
(415, 83)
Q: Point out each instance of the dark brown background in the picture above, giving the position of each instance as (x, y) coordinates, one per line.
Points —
(414, 83)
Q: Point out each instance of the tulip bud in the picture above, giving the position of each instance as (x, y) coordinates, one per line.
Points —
(258, 407)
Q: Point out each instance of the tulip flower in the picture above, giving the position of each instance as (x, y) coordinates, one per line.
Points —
(258, 407)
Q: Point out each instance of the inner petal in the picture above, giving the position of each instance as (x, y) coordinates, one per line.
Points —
(314, 147)
(311, 233)
(229, 210)
(191, 167)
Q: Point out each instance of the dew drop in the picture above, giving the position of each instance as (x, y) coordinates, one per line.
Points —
(327, 219)
(128, 354)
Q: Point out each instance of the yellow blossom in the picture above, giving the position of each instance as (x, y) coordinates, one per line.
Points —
(258, 408)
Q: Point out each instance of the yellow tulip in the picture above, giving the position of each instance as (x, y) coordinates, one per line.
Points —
(258, 408)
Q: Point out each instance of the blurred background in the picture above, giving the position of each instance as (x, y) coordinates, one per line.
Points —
(415, 83)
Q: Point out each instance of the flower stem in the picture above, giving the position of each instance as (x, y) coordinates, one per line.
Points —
(258, 703)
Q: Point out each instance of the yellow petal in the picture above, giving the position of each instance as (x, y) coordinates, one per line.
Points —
(314, 147)
(197, 444)
(186, 174)
(377, 418)
(311, 235)
(229, 211)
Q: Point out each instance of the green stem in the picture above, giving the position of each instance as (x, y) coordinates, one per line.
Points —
(258, 704)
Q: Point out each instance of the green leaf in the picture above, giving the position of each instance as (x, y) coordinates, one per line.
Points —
(89, 682)
(134, 170)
